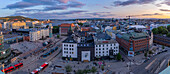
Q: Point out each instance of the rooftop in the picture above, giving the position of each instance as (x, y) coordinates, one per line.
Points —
(69, 40)
(105, 42)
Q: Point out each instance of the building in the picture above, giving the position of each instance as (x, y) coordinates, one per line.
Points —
(133, 42)
(18, 25)
(83, 46)
(37, 34)
(33, 33)
(69, 48)
(63, 30)
(161, 40)
(105, 46)
(5, 51)
(50, 30)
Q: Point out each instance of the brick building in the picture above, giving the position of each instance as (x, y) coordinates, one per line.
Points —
(133, 42)
(63, 30)
(161, 40)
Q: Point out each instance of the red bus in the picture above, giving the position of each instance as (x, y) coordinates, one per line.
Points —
(43, 66)
(18, 65)
(35, 71)
(9, 69)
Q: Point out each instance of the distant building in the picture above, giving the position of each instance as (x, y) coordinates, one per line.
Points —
(161, 40)
(38, 34)
(133, 42)
(18, 25)
(63, 30)
(33, 33)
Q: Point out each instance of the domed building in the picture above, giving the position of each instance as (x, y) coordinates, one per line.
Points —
(5, 51)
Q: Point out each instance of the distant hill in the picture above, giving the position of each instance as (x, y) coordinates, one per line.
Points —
(16, 18)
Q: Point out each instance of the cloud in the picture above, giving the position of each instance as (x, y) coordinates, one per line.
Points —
(131, 2)
(166, 10)
(48, 15)
(146, 14)
(100, 14)
(106, 7)
(167, 2)
(21, 5)
(48, 4)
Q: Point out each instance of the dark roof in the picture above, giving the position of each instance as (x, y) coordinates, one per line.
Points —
(103, 36)
(69, 40)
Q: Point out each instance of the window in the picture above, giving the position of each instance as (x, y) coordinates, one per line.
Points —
(72, 49)
(72, 45)
(106, 51)
(72, 52)
(96, 52)
(99, 45)
(103, 48)
(103, 51)
(103, 45)
(99, 52)
(96, 49)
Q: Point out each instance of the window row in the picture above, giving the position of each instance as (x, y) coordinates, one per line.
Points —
(106, 48)
(66, 52)
(105, 45)
(68, 49)
(69, 45)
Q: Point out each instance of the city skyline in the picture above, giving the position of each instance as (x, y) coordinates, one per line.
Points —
(70, 9)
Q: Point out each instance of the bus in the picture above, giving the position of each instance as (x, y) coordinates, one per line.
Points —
(11, 68)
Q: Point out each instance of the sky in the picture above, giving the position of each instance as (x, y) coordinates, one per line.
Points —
(72, 9)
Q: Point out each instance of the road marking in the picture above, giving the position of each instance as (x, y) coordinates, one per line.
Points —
(160, 66)
(147, 67)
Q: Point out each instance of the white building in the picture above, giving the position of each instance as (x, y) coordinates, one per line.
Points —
(69, 48)
(38, 34)
(106, 48)
(105, 45)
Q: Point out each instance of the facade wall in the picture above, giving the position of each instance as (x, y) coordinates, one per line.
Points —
(103, 49)
(69, 50)
(162, 40)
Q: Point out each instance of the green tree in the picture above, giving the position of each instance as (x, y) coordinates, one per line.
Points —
(168, 35)
(155, 31)
(94, 69)
(58, 36)
(168, 27)
(160, 29)
(150, 52)
(163, 47)
(55, 29)
(145, 54)
(68, 68)
(81, 24)
(79, 72)
(102, 68)
(164, 31)
(118, 57)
